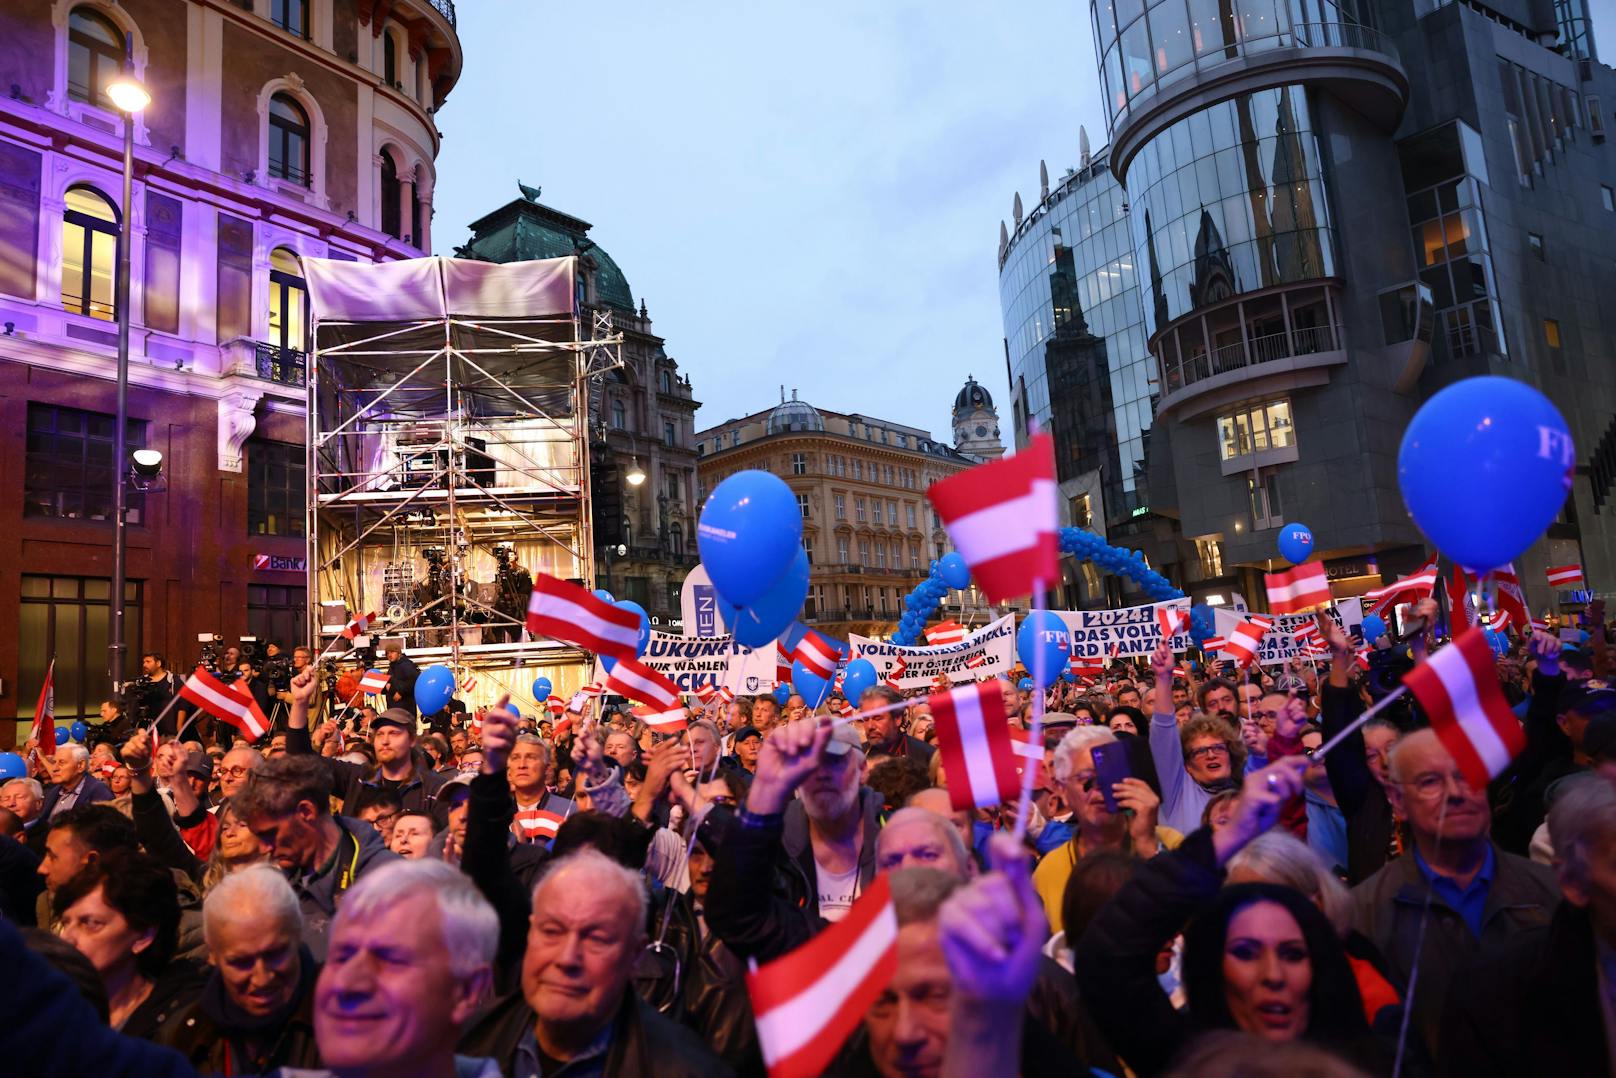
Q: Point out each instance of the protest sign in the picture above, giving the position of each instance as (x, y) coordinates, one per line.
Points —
(1281, 644)
(692, 662)
(1132, 630)
(991, 648)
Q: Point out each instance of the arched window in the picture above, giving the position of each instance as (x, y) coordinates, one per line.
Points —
(666, 382)
(94, 56)
(391, 209)
(288, 140)
(288, 302)
(89, 253)
(389, 59)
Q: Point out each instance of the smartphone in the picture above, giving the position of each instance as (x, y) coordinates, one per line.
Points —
(1111, 767)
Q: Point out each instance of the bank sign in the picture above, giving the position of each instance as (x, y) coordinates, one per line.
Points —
(276, 563)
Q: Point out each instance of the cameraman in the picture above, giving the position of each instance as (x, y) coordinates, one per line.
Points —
(148, 695)
(302, 658)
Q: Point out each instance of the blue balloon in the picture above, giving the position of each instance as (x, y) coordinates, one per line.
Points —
(953, 570)
(433, 689)
(858, 678)
(773, 612)
(1025, 684)
(78, 731)
(1374, 627)
(542, 689)
(1044, 645)
(1474, 443)
(12, 766)
(782, 693)
(750, 531)
(1202, 624)
(1295, 543)
(61, 735)
(645, 623)
(603, 595)
(810, 685)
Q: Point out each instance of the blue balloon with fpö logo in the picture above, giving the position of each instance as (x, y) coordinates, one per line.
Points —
(541, 690)
(433, 689)
(1485, 467)
(12, 766)
(953, 570)
(1295, 543)
(1044, 645)
(749, 533)
(1374, 627)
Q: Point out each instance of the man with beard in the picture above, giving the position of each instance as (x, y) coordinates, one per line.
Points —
(809, 824)
(255, 1011)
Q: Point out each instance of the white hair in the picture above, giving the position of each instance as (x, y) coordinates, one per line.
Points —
(255, 891)
(1281, 857)
(1580, 820)
(75, 750)
(941, 824)
(589, 859)
(470, 925)
(33, 786)
(1082, 739)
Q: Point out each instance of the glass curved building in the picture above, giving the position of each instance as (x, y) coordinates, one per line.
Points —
(1313, 214)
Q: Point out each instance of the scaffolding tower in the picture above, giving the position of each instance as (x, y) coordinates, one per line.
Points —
(448, 451)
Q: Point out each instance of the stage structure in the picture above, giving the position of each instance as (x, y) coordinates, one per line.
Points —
(448, 455)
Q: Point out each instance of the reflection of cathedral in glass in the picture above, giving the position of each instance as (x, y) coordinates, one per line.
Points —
(1075, 366)
(1214, 279)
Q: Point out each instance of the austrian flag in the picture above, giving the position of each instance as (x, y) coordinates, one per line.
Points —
(358, 625)
(373, 681)
(1242, 644)
(974, 740)
(1458, 688)
(1171, 622)
(1003, 519)
(1565, 576)
(1298, 589)
(809, 1001)
(816, 653)
(232, 703)
(1410, 589)
(946, 632)
(536, 824)
(633, 679)
(568, 613)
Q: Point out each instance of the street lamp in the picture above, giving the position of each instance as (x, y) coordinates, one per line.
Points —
(131, 98)
(635, 476)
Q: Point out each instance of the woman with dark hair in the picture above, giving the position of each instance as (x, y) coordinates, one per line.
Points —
(1259, 958)
(123, 912)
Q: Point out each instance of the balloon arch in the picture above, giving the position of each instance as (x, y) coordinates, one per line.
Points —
(950, 571)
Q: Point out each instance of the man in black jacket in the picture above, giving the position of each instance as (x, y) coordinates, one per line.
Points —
(1359, 768)
(576, 1007)
(886, 736)
(401, 675)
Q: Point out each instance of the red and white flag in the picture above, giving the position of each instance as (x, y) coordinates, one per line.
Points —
(373, 681)
(782, 664)
(1508, 596)
(1214, 643)
(1409, 589)
(818, 654)
(45, 713)
(1458, 688)
(1565, 576)
(1498, 621)
(635, 680)
(808, 1002)
(232, 703)
(1021, 744)
(896, 672)
(945, 632)
(704, 693)
(976, 661)
(555, 705)
(973, 738)
(1459, 600)
(1298, 589)
(1081, 667)
(1538, 625)
(1171, 622)
(1003, 520)
(670, 721)
(357, 626)
(536, 825)
(568, 613)
(1242, 644)
(469, 682)
(726, 694)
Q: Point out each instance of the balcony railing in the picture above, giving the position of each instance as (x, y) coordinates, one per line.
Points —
(287, 366)
(1301, 341)
(446, 9)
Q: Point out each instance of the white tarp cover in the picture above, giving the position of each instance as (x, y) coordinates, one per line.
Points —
(423, 289)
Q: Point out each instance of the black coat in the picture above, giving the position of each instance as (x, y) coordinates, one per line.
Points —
(1360, 797)
(352, 783)
(217, 1042)
(1529, 1008)
(401, 677)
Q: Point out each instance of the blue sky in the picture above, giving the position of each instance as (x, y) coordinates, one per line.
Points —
(806, 195)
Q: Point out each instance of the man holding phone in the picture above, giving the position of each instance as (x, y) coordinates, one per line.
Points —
(1111, 810)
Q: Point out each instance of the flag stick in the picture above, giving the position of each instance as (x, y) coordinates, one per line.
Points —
(1385, 701)
(173, 702)
(1035, 733)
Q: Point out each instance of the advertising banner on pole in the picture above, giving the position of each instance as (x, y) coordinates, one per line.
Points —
(988, 652)
(698, 605)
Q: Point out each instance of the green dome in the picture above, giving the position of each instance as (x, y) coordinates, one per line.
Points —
(527, 229)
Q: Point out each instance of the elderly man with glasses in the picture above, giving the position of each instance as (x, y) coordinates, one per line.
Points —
(1474, 897)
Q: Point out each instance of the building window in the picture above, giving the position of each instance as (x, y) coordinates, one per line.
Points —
(275, 488)
(1551, 333)
(1535, 242)
(665, 380)
(291, 16)
(278, 613)
(858, 510)
(799, 464)
(1607, 196)
(619, 416)
(1266, 510)
(880, 555)
(89, 253)
(389, 60)
(1082, 512)
(903, 441)
(94, 56)
(858, 469)
(69, 468)
(67, 618)
(668, 435)
(807, 548)
(841, 506)
(864, 552)
(288, 302)
(1256, 428)
(289, 140)
(910, 508)
(802, 505)
(892, 514)
(1210, 553)
(841, 549)
(392, 193)
(734, 438)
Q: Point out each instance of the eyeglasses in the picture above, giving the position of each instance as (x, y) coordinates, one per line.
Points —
(237, 772)
(1429, 787)
(1208, 750)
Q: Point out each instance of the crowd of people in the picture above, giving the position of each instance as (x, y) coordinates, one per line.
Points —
(485, 893)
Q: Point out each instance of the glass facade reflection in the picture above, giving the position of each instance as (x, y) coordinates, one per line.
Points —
(1228, 201)
(1145, 47)
(1078, 362)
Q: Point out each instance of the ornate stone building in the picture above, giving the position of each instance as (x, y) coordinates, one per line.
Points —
(643, 467)
(976, 423)
(277, 130)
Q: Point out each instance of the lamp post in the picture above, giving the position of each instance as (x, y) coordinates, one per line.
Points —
(131, 98)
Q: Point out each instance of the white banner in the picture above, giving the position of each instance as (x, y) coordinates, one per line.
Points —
(991, 647)
(691, 662)
(1279, 644)
(1133, 630)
